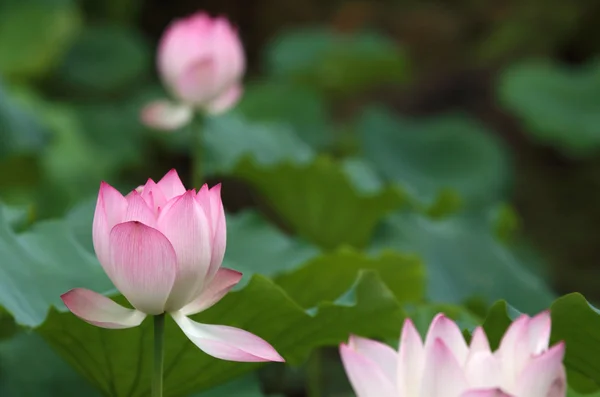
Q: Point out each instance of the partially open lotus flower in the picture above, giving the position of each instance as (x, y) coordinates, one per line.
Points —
(201, 62)
(445, 366)
(162, 247)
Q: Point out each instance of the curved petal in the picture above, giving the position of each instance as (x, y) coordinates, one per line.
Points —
(186, 226)
(447, 330)
(226, 343)
(183, 41)
(198, 84)
(210, 200)
(514, 349)
(138, 210)
(410, 360)
(443, 376)
(144, 265)
(365, 376)
(110, 210)
(539, 328)
(99, 310)
(559, 386)
(171, 185)
(381, 354)
(220, 285)
(166, 115)
(511, 337)
(485, 393)
(483, 370)
(229, 54)
(153, 196)
(226, 100)
(543, 374)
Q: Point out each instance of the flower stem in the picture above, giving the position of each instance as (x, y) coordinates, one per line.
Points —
(159, 338)
(197, 125)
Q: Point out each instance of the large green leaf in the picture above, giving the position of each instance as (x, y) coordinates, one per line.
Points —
(428, 156)
(119, 362)
(335, 62)
(320, 202)
(331, 275)
(464, 259)
(8, 327)
(278, 253)
(29, 367)
(40, 264)
(247, 386)
(301, 108)
(106, 60)
(20, 131)
(114, 129)
(317, 197)
(229, 138)
(558, 104)
(575, 322)
(35, 34)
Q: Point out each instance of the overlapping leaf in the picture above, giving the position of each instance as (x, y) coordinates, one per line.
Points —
(430, 156)
(331, 275)
(261, 307)
(464, 259)
(40, 264)
(316, 196)
(301, 108)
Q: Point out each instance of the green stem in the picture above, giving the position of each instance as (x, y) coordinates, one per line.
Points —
(197, 151)
(159, 338)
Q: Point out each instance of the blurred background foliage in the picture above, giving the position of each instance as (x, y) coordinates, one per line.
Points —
(398, 157)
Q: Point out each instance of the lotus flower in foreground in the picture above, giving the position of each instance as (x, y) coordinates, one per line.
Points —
(162, 247)
(201, 62)
(445, 366)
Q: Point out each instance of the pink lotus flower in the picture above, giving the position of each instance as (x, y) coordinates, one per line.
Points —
(162, 247)
(444, 366)
(201, 61)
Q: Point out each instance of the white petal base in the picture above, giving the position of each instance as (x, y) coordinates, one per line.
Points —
(226, 343)
(165, 115)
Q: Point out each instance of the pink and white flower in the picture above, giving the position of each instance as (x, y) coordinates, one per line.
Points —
(445, 366)
(201, 62)
(162, 247)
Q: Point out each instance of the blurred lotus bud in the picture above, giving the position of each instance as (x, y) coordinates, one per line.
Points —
(201, 62)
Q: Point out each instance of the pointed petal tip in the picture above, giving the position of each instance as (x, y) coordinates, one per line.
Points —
(544, 316)
(408, 326)
(105, 186)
